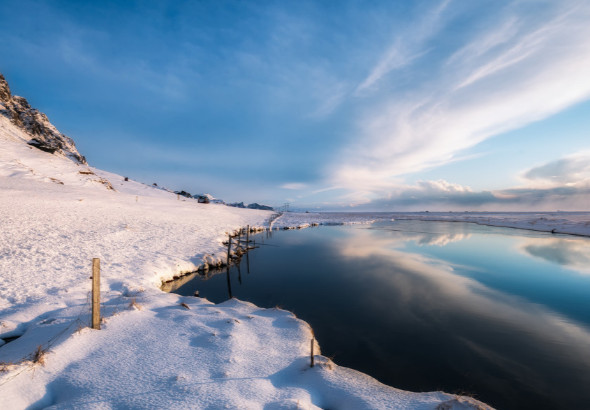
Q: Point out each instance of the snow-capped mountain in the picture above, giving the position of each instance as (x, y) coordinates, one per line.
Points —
(43, 134)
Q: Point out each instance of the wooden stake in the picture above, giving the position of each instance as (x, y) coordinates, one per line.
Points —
(228, 248)
(312, 358)
(248, 237)
(227, 267)
(96, 293)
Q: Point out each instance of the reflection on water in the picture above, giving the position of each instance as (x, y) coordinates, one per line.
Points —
(426, 306)
(567, 252)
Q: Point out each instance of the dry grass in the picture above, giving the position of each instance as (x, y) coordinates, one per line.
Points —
(39, 355)
(106, 183)
(134, 305)
(4, 366)
(184, 305)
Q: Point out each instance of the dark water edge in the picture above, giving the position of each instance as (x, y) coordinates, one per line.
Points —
(495, 313)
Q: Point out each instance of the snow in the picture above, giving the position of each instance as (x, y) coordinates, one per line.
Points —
(155, 349)
(571, 223)
(296, 220)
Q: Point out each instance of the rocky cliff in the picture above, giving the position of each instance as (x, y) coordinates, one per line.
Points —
(36, 124)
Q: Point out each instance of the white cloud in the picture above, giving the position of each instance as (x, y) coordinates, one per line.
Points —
(294, 186)
(406, 47)
(573, 170)
(561, 184)
(503, 79)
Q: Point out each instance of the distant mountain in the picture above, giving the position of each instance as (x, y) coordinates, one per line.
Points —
(36, 124)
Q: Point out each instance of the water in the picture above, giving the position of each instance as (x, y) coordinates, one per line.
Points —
(500, 314)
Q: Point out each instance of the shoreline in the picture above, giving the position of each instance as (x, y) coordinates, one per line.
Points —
(566, 223)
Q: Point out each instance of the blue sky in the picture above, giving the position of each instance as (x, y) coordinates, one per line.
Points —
(381, 105)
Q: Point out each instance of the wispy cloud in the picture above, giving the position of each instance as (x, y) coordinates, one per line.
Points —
(503, 79)
(406, 47)
(573, 170)
(295, 186)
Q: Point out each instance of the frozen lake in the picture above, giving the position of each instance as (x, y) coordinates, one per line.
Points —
(498, 313)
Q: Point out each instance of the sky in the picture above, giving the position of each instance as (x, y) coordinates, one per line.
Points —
(444, 105)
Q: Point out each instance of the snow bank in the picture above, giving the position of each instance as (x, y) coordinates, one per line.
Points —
(155, 350)
(572, 223)
(297, 220)
(200, 355)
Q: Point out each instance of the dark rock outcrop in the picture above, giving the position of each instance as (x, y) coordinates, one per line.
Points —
(36, 124)
(259, 206)
(251, 206)
(183, 193)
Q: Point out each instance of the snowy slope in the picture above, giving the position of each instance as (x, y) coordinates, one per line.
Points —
(55, 216)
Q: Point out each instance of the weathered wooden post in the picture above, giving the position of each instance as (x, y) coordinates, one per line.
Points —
(312, 358)
(228, 248)
(248, 237)
(96, 293)
(227, 268)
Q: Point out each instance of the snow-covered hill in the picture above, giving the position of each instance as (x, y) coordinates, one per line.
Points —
(56, 214)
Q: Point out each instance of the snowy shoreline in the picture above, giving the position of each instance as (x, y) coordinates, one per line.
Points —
(568, 223)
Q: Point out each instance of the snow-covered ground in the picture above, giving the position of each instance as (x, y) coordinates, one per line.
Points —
(572, 223)
(295, 220)
(155, 350)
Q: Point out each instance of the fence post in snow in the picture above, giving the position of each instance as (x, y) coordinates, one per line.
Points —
(312, 358)
(228, 247)
(227, 268)
(96, 293)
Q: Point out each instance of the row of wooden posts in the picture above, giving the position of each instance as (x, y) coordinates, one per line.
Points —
(238, 245)
(96, 284)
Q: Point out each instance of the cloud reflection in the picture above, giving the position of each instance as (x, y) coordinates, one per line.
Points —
(510, 332)
(571, 253)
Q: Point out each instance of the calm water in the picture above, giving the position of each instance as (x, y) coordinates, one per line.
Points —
(497, 313)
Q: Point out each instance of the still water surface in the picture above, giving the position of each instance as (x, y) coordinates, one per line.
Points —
(497, 313)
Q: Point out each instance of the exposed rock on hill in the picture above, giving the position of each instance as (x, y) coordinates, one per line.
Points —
(36, 124)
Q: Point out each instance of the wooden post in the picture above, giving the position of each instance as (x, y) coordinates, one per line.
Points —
(227, 267)
(248, 237)
(96, 293)
(228, 248)
(312, 358)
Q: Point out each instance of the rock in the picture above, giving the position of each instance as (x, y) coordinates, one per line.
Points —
(44, 135)
(258, 206)
(183, 193)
